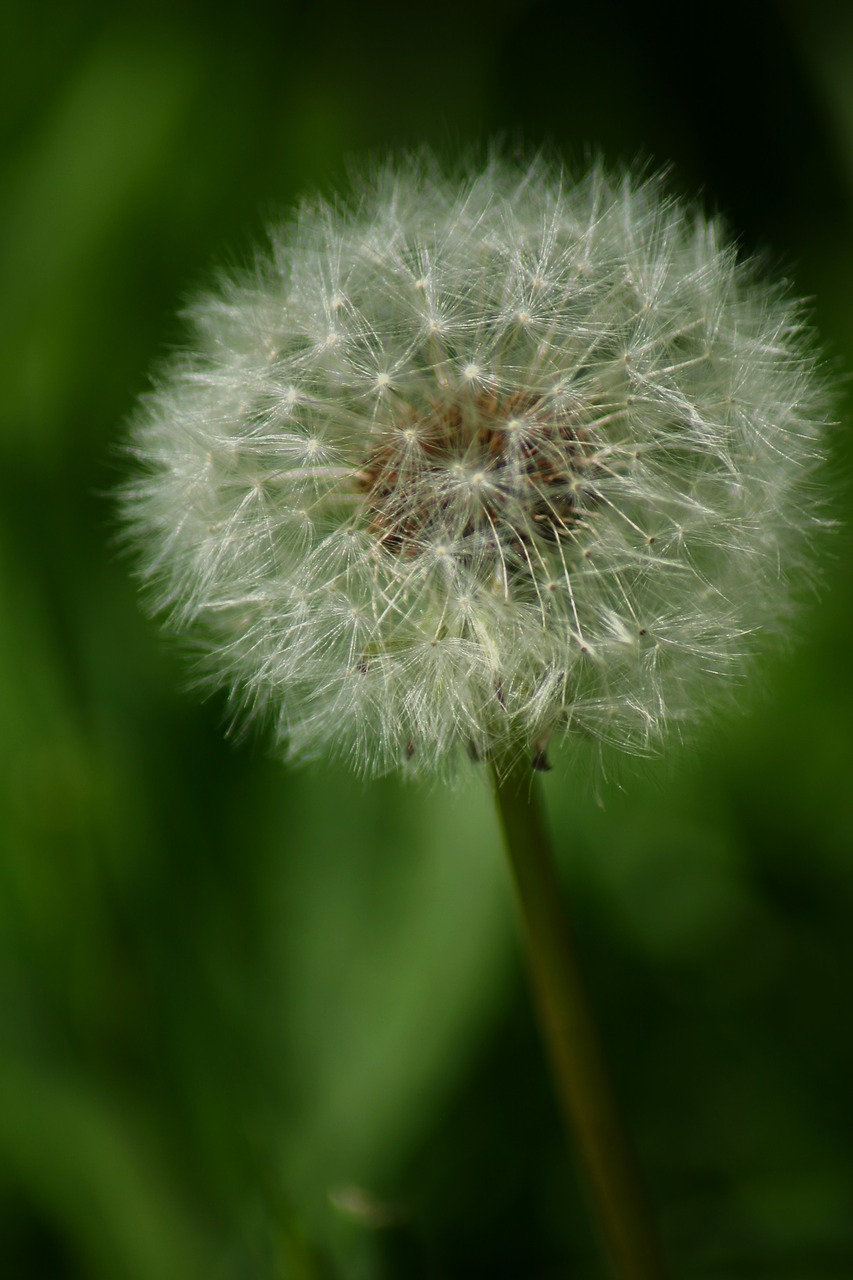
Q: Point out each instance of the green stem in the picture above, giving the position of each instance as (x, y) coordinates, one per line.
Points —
(577, 1061)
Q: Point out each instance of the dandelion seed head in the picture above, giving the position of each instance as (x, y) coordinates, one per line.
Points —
(466, 465)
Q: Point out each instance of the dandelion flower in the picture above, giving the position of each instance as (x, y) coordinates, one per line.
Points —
(468, 464)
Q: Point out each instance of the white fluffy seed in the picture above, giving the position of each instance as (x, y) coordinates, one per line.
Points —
(570, 510)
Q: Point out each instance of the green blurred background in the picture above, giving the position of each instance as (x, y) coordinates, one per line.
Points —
(257, 1022)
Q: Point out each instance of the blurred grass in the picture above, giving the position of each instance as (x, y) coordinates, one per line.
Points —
(230, 993)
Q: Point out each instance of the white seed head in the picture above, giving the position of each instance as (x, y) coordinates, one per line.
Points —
(471, 464)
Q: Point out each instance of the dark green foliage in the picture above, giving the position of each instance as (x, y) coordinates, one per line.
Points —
(232, 996)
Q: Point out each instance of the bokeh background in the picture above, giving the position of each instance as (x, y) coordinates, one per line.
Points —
(257, 1022)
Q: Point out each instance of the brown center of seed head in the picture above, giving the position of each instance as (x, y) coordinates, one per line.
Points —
(489, 473)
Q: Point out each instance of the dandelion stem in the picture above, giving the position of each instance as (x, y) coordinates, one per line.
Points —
(577, 1061)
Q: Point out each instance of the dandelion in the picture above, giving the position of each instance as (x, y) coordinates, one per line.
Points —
(460, 467)
(467, 465)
